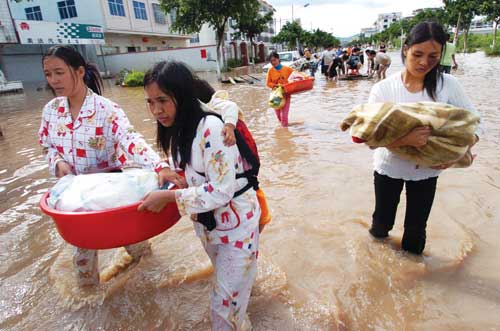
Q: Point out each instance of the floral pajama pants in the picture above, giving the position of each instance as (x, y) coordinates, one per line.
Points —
(282, 113)
(235, 267)
(86, 262)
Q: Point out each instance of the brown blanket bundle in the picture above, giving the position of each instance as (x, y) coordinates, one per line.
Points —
(453, 130)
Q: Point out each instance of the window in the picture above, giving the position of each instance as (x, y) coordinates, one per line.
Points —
(158, 13)
(140, 10)
(116, 8)
(133, 49)
(110, 50)
(173, 16)
(67, 9)
(195, 38)
(152, 48)
(33, 13)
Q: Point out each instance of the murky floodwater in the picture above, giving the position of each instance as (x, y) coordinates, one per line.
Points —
(319, 269)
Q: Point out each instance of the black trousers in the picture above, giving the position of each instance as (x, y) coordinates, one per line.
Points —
(419, 198)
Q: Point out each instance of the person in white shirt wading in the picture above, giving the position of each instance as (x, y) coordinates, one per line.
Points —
(420, 80)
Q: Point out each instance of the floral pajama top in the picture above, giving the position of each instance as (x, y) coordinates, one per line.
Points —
(236, 218)
(100, 139)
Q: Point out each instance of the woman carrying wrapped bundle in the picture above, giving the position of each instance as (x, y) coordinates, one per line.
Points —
(419, 81)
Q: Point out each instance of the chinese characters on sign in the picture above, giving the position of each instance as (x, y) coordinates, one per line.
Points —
(41, 32)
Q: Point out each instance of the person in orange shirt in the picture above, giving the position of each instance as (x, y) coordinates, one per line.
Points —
(278, 75)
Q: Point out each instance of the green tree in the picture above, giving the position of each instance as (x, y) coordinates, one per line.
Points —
(491, 9)
(463, 12)
(192, 14)
(319, 38)
(290, 34)
(252, 24)
(437, 15)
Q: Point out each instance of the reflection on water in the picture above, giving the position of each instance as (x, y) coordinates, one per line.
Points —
(319, 270)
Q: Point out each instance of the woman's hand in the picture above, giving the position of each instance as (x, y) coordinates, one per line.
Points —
(63, 168)
(155, 201)
(417, 138)
(228, 133)
(168, 175)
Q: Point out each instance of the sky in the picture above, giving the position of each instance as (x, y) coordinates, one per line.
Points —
(343, 18)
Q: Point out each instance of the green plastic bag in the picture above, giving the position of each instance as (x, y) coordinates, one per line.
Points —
(277, 98)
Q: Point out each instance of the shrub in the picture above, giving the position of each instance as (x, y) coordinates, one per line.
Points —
(234, 63)
(492, 51)
(134, 78)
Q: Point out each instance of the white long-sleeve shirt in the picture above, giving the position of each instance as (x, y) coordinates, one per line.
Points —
(393, 90)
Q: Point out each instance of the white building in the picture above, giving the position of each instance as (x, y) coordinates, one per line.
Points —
(266, 36)
(132, 26)
(385, 20)
(481, 26)
(40, 23)
(368, 32)
(7, 31)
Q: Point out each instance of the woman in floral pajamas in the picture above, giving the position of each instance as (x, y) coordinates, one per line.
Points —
(194, 139)
(83, 132)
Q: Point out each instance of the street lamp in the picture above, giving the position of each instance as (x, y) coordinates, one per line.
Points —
(297, 41)
(306, 5)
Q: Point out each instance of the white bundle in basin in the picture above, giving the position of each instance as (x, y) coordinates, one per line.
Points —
(102, 191)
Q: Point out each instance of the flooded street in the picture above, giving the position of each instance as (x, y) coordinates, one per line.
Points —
(319, 269)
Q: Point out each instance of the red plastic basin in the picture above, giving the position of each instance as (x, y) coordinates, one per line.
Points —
(110, 228)
(299, 86)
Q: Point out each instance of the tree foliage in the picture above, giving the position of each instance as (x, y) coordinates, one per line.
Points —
(463, 12)
(252, 24)
(491, 9)
(292, 32)
(192, 14)
(319, 38)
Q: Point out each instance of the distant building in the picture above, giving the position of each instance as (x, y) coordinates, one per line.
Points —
(7, 30)
(385, 20)
(481, 26)
(368, 32)
(134, 26)
(42, 23)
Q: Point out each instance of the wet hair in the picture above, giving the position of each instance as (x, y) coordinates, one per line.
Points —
(203, 90)
(75, 60)
(371, 52)
(423, 32)
(177, 81)
(275, 55)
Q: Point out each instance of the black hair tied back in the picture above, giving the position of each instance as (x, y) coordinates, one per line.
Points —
(75, 60)
(421, 33)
